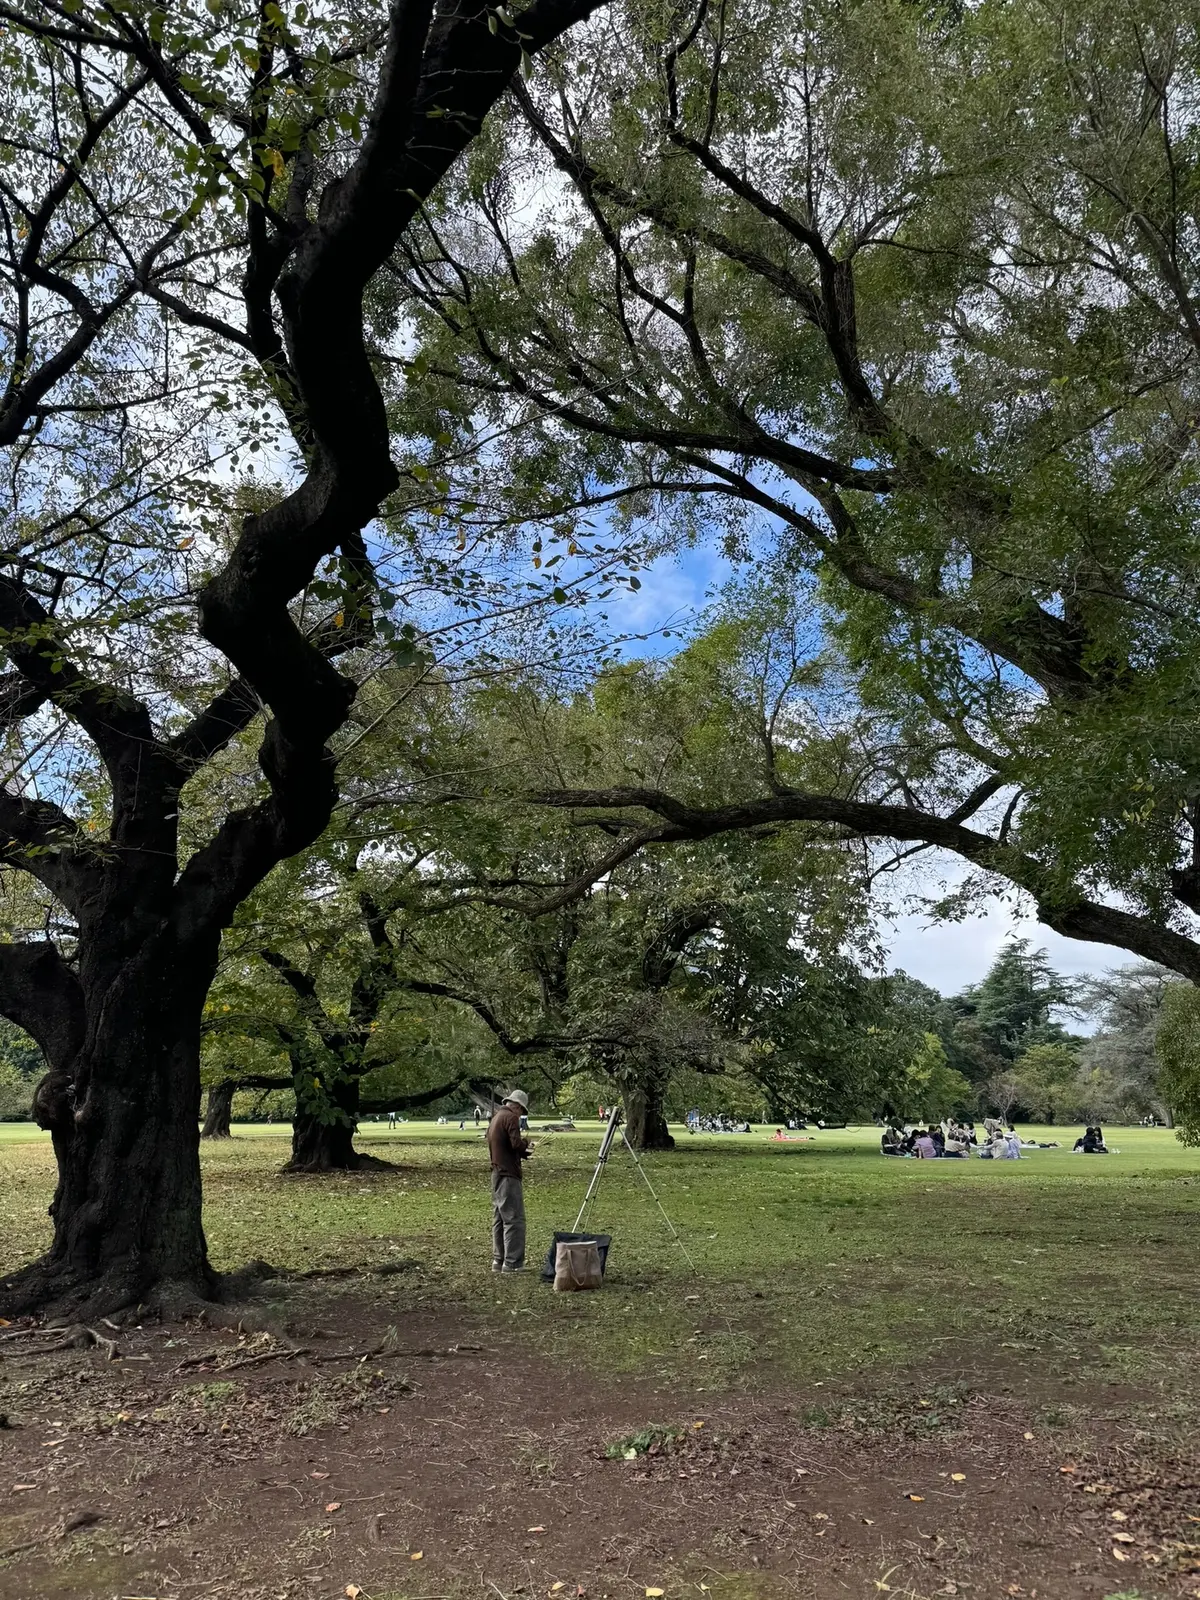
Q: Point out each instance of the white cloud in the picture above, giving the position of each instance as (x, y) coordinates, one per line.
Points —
(950, 955)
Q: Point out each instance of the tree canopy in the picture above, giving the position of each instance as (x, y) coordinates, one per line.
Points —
(935, 349)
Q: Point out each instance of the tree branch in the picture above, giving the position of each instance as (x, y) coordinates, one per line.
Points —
(1068, 912)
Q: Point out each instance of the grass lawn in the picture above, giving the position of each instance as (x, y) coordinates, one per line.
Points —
(814, 1260)
(909, 1378)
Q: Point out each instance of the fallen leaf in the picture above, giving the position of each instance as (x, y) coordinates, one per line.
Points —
(870, 1521)
(1029, 1436)
(915, 1497)
(352, 1591)
(653, 1594)
(1119, 1554)
(958, 1477)
(1123, 1538)
(697, 1424)
(334, 1505)
(1118, 1516)
(555, 1587)
(318, 1474)
(5, 1323)
(820, 1516)
(417, 1555)
(538, 1529)
(19, 1488)
(1070, 1467)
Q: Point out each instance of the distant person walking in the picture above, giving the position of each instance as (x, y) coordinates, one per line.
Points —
(508, 1147)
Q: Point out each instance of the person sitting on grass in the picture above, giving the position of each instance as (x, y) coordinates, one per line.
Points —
(923, 1146)
(892, 1142)
(996, 1149)
(955, 1144)
(1092, 1143)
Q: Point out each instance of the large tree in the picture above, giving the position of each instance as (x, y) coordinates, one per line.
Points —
(910, 292)
(212, 189)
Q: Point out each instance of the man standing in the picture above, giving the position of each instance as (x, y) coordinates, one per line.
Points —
(508, 1147)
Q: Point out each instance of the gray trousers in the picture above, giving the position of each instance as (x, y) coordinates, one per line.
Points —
(508, 1222)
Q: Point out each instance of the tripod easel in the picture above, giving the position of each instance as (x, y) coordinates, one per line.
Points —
(616, 1118)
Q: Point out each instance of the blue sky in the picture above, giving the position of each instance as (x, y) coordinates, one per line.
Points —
(947, 956)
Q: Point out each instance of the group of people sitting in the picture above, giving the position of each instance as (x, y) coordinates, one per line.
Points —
(949, 1138)
(1090, 1143)
(718, 1122)
(954, 1139)
(999, 1143)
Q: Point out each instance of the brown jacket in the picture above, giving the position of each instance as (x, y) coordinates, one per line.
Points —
(506, 1143)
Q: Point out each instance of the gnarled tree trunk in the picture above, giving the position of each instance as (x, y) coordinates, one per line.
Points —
(645, 1114)
(219, 1113)
(324, 1141)
(123, 1113)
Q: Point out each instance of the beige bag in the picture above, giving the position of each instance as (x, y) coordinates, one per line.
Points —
(577, 1266)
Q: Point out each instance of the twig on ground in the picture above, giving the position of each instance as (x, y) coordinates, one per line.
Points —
(381, 1353)
(288, 1353)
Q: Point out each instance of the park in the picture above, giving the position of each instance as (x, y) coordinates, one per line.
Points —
(599, 818)
(867, 1379)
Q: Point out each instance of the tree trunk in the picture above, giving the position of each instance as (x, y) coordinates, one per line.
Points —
(127, 1209)
(323, 1139)
(220, 1110)
(645, 1115)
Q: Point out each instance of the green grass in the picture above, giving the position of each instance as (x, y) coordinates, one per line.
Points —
(820, 1262)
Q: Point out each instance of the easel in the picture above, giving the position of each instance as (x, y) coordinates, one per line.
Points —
(615, 1119)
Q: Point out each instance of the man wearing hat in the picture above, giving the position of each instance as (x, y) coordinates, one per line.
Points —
(508, 1147)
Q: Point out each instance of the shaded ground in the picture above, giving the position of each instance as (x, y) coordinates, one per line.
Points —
(901, 1391)
(217, 1466)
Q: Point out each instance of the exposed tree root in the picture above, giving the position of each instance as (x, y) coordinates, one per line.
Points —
(81, 1519)
(62, 1297)
(59, 1298)
(363, 1269)
(74, 1337)
(322, 1169)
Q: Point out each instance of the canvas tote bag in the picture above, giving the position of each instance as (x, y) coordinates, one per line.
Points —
(577, 1266)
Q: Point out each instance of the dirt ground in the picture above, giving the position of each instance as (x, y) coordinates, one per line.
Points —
(455, 1460)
